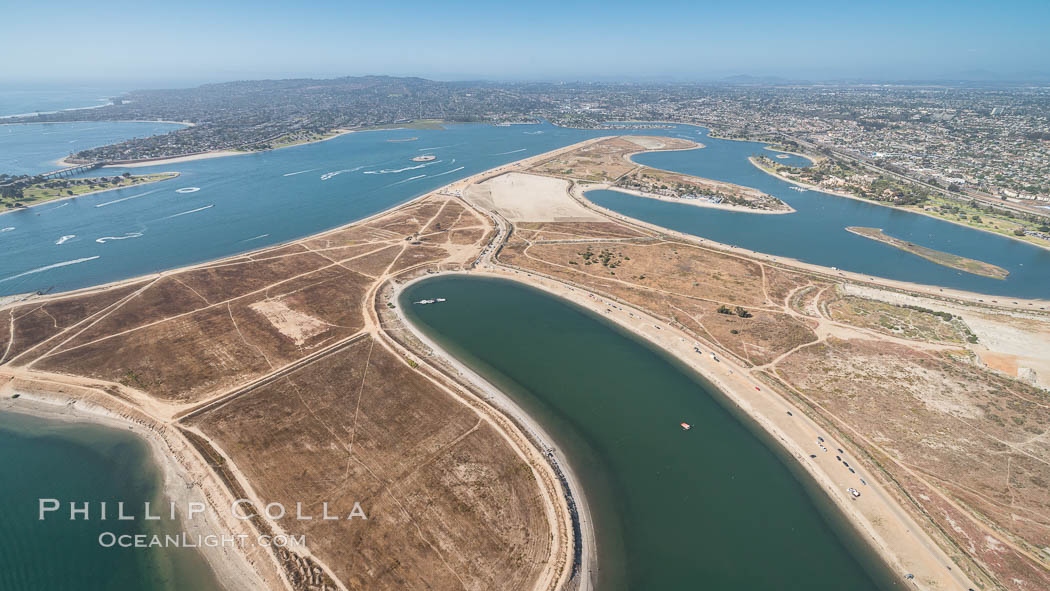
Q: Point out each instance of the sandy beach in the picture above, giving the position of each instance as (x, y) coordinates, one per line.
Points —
(501, 403)
(203, 155)
(186, 477)
(693, 202)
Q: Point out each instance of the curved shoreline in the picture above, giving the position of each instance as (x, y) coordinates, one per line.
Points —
(761, 407)
(695, 202)
(233, 569)
(505, 404)
(809, 187)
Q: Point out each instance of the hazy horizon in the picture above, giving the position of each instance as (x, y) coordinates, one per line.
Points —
(124, 43)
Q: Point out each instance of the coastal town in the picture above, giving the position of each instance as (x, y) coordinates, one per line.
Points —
(971, 139)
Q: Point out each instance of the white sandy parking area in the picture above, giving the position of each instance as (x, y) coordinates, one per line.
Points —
(521, 197)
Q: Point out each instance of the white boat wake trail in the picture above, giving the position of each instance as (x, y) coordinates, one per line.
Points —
(438, 147)
(450, 171)
(255, 237)
(59, 207)
(106, 239)
(65, 238)
(126, 198)
(396, 170)
(49, 267)
(406, 180)
(328, 175)
(188, 212)
(300, 172)
(7, 229)
(511, 152)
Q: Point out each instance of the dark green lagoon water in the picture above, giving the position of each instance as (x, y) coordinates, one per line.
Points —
(74, 462)
(711, 508)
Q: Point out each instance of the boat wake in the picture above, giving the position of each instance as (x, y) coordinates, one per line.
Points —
(126, 198)
(106, 239)
(533, 132)
(438, 147)
(406, 180)
(300, 172)
(450, 171)
(511, 152)
(65, 238)
(49, 267)
(59, 207)
(335, 173)
(188, 190)
(397, 170)
(255, 237)
(188, 212)
(7, 229)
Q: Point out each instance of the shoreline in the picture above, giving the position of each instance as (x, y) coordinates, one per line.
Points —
(932, 291)
(57, 199)
(142, 163)
(695, 202)
(809, 187)
(233, 569)
(989, 270)
(765, 410)
(812, 159)
(505, 405)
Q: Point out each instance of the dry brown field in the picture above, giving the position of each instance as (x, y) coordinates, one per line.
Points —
(607, 160)
(271, 361)
(449, 505)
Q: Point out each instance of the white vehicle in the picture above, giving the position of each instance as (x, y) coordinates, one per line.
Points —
(853, 491)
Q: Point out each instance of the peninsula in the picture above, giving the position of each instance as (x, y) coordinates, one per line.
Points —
(941, 258)
(26, 191)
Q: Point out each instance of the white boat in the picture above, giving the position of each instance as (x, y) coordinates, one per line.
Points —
(440, 300)
(425, 301)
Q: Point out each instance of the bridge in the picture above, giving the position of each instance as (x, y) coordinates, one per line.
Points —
(70, 171)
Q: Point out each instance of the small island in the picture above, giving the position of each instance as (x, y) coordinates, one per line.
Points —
(941, 258)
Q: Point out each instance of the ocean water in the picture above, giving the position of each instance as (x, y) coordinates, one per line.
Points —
(224, 206)
(37, 99)
(711, 508)
(83, 463)
(32, 148)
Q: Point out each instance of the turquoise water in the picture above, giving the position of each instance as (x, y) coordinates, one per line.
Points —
(250, 201)
(72, 462)
(711, 508)
(33, 148)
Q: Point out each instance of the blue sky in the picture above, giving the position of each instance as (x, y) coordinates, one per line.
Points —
(193, 41)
